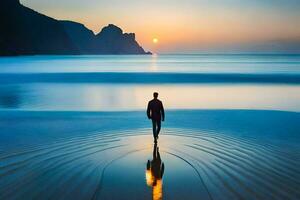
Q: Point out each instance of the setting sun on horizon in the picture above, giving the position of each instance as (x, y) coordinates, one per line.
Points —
(189, 26)
(155, 40)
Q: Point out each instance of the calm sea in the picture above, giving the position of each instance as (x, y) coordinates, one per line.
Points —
(225, 135)
(122, 82)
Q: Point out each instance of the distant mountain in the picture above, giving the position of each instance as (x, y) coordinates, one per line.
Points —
(111, 39)
(24, 31)
(81, 37)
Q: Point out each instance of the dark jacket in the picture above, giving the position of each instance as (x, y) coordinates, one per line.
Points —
(155, 110)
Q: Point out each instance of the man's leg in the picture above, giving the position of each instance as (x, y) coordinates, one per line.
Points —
(154, 128)
(158, 122)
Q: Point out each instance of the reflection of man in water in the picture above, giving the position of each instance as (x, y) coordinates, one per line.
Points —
(155, 111)
(154, 174)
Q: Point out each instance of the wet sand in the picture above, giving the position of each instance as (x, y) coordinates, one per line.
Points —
(207, 154)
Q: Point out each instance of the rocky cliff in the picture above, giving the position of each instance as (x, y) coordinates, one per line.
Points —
(24, 31)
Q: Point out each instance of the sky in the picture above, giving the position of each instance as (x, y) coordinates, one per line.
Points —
(189, 26)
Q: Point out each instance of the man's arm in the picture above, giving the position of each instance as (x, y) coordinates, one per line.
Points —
(162, 112)
(148, 111)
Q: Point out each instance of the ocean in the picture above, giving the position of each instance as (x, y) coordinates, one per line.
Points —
(75, 127)
(125, 83)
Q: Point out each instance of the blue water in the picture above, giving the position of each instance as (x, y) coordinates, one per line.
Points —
(75, 127)
(125, 83)
(208, 154)
(257, 64)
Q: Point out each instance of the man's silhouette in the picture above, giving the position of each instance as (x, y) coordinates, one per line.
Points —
(156, 113)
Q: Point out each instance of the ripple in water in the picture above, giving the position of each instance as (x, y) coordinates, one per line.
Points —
(186, 164)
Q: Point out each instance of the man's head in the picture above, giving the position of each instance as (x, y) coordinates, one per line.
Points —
(155, 95)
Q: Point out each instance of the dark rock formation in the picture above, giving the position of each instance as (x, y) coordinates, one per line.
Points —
(112, 40)
(83, 38)
(26, 32)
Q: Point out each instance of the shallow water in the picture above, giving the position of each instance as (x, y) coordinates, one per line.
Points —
(104, 156)
(221, 139)
(129, 97)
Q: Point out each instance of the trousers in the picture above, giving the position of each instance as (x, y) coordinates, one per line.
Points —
(156, 125)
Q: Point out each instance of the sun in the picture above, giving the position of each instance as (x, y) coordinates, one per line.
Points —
(155, 40)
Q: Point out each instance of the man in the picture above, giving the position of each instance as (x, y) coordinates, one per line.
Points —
(155, 111)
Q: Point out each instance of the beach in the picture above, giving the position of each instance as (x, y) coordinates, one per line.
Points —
(231, 129)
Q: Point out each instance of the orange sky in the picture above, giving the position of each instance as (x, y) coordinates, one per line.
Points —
(184, 26)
